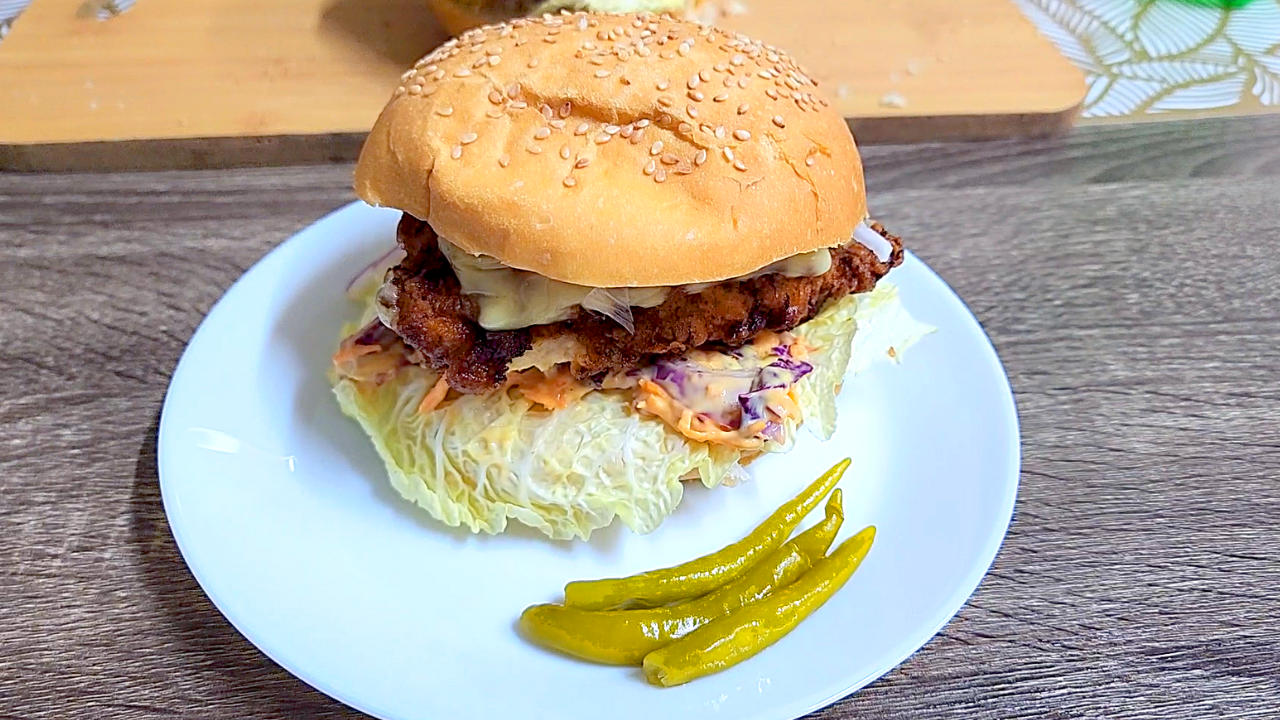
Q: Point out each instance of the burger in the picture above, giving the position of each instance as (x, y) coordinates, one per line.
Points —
(458, 16)
(633, 251)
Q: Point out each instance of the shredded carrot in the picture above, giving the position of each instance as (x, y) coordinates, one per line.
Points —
(554, 392)
(434, 397)
(655, 400)
(352, 353)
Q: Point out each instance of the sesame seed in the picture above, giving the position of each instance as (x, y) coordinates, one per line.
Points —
(773, 94)
(581, 129)
(705, 75)
(683, 49)
(495, 97)
(468, 138)
(669, 159)
(519, 105)
(809, 161)
(612, 129)
(720, 132)
(603, 138)
(721, 67)
(504, 160)
(570, 181)
(565, 152)
(650, 167)
(457, 152)
(721, 97)
(642, 123)
(533, 61)
(461, 72)
(542, 133)
(685, 128)
(626, 131)
(513, 89)
(534, 149)
(660, 175)
(693, 111)
(565, 109)
(494, 60)
(728, 153)
(546, 111)
(656, 148)
(663, 85)
(549, 39)
(400, 91)
(444, 111)
(729, 81)
(742, 82)
(582, 162)
(558, 124)
(738, 59)
(765, 74)
(738, 165)
(701, 157)
(603, 73)
(694, 81)
(777, 120)
(696, 95)
(665, 101)
(742, 135)
(414, 89)
(683, 169)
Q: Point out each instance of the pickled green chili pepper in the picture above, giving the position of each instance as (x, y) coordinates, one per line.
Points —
(728, 640)
(625, 637)
(702, 575)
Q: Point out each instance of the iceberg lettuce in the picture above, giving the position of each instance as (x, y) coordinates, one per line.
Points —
(483, 460)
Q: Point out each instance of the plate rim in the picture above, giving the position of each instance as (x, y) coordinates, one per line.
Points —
(790, 709)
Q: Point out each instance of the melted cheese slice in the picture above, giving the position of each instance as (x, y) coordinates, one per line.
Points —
(509, 299)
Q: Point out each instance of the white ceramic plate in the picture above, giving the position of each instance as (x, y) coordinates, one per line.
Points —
(281, 509)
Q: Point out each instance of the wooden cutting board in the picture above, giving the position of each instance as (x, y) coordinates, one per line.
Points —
(219, 83)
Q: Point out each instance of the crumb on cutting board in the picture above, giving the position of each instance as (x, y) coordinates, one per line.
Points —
(893, 100)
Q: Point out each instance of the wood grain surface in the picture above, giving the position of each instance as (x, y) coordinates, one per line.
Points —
(1129, 277)
(231, 83)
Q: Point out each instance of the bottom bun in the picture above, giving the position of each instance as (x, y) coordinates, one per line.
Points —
(482, 460)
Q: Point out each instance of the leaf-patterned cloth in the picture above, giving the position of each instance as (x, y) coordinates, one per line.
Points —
(1154, 57)
(11, 9)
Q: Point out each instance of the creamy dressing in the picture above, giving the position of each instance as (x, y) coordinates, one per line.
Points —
(742, 398)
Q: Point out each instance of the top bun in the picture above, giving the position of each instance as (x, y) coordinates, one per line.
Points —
(616, 151)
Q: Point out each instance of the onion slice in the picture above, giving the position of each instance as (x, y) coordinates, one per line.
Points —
(614, 303)
(873, 241)
(373, 273)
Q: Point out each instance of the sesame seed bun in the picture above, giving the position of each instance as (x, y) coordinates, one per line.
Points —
(616, 151)
(458, 16)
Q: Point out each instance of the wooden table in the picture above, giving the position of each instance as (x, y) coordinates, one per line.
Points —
(1130, 278)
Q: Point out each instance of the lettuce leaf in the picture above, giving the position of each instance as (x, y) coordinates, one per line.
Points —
(484, 460)
(884, 330)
